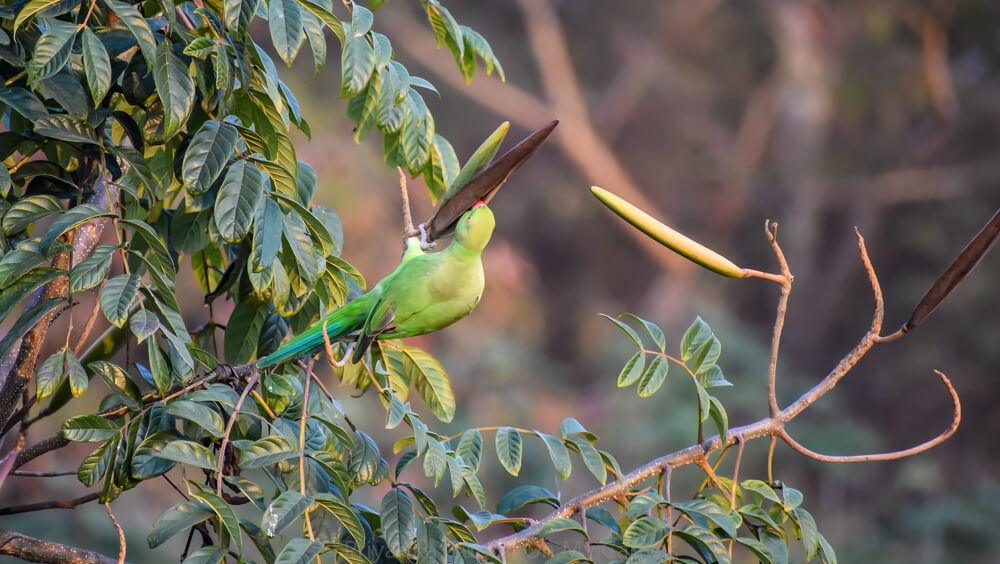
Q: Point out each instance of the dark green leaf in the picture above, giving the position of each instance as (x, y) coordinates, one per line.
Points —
(23, 102)
(200, 414)
(654, 332)
(417, 133)
(94, 466)
(25, 211)
(357, 64)
(176, 519)
(645, 532)
(398, 521)
(431, 545)
(364, 458)
(559, 525)
(429, 377)
(207, 155)
(188, 452)
(344, 514)
(283, 511)
(91, 271)
(710, 511)
(298, 550)
(139, 28)
(67, 129)
(243, 331)
(238, 200)
(50, 374)
(175, 87)
(89, 428)
(52, 50)
(96, 65)
(266, 451)
(25, 285)
(524, 495)
(225, 514)
(145, 462)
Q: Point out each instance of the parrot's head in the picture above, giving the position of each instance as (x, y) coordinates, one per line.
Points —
(475, 227)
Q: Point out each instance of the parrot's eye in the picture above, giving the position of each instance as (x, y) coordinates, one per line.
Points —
(468, 219)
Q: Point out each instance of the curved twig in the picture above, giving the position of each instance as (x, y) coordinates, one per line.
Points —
(888, 455)
(229, 428)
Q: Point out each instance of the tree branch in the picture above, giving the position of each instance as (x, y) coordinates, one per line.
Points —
(54, 504)
(31, 549)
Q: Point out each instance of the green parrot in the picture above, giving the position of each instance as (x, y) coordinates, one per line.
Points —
(426, 292)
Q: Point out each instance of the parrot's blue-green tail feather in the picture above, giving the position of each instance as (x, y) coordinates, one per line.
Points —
(341, 323)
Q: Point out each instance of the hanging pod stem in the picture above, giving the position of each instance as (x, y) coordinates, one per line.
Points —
(677, 242)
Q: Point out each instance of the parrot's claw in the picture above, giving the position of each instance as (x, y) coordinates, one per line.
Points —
(424, 243)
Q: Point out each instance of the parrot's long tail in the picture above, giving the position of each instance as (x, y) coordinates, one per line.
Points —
(339, 324)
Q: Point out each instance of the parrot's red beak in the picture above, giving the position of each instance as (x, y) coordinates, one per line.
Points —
(477, 204)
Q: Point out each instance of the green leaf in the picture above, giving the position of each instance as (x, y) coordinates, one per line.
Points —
(25, 211)
(91, 271)
(625, 329)
(432, 548)
(350, 554)
(357, 63)
(324, 14)
(238, 200)
(139, 28)
(706, 543)
(429, 377)
(178, 518)
(25, 285)
(207, 555)
(23, 102)
(559, 525)
(826, 551)
(654, 377)
(285, 21)
(313, 28)
(117, 295)
(364, 458)
(757, 548)
(144, 324)
(525, 495)
(66, 221)
(30, 9)
(145, 462)
(96, 65)
(243, 331)
(89, 428)
(316, 228)
(632, 370)
(298, 550)
(66, 128)
(188, 452)
(175, 87)
(52, 50)
(94, 466)
(283, 511)
(792, 497)
(123, 388)
(417, 133)
(559, 454)
(592, 459)
(719, 416)
(706, 356)
(810, 532)
(344, 514)
(478, 44)
(761, 488)
(29, 318)
(654, 332)
(266, 451)
(443, 167)
(710, 511)
(509, 451)
(398, 521)
(568, 557)
(694, 338)
(470, 448)
(158, 366)
(209, 152)
(225, 514)
(199, 414)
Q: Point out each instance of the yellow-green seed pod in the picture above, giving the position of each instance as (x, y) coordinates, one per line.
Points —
(671, 239)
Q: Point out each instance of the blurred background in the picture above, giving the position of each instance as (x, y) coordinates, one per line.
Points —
(713, 116)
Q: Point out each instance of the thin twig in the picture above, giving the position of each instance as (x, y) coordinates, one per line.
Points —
(956, 419)
(229, 428)
(88, 327)
(121, 534)
(54, 504)
(771, 229)
(33, 474)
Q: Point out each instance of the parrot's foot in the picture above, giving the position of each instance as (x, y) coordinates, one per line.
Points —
(344, 359)
(425, 244)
